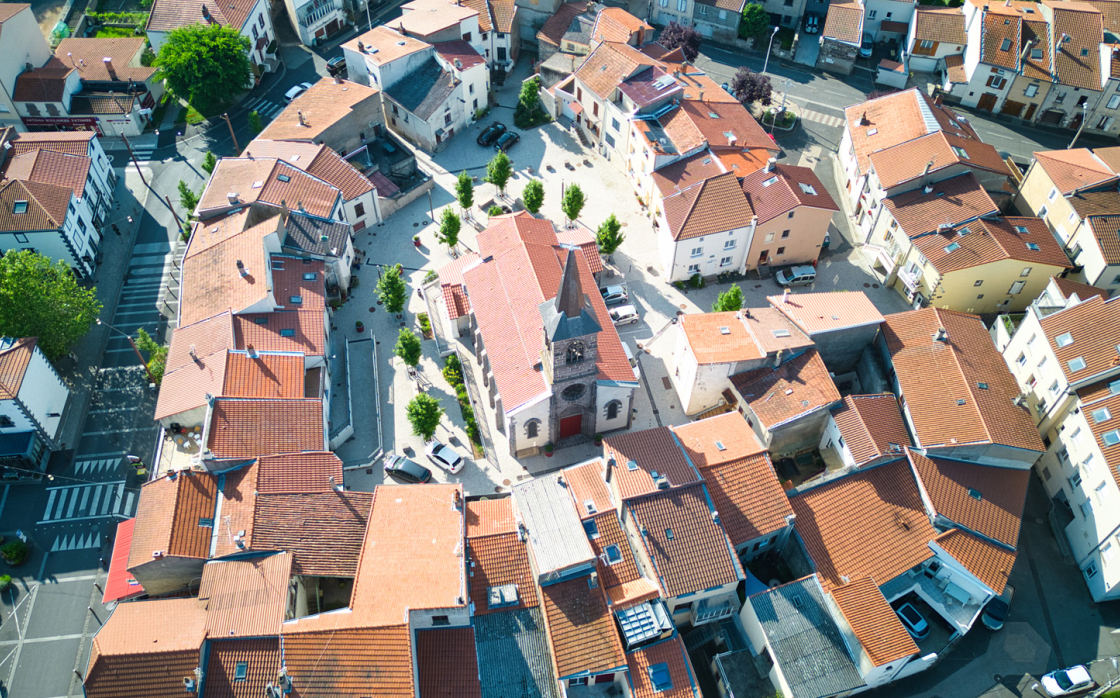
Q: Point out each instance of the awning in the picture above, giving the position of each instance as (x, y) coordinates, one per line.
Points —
(576, 107)
(120, 584)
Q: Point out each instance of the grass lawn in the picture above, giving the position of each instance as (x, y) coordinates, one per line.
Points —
(785, 37)
(114, 33)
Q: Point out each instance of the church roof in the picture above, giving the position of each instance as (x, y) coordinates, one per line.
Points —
(568, 315)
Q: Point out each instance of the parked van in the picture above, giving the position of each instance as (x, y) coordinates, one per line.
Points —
(796, 276)
(632, 360)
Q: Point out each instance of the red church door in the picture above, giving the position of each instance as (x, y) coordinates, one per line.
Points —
(571, 426)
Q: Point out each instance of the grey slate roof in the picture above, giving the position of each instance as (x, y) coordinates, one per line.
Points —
(513, 655)
(556, 534)
(805, 640)
(423, 90)
(306, 233)
(579, 31)
(558, 326)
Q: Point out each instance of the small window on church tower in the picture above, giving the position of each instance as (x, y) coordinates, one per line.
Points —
(575, 353)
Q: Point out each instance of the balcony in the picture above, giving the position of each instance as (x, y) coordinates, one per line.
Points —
(319, 11)
(911, 277)
(708, 610)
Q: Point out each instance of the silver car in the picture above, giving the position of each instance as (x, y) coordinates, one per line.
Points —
(613, 295)
(444, 456)
(296, 91)
(624, 315)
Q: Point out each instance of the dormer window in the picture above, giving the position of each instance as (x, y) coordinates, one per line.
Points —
(19, 207)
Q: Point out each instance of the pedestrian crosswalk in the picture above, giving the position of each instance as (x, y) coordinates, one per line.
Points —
(265, 107)
(824, 119)
(76, 541)
(85, 502)
(143, 153)
(94, 466)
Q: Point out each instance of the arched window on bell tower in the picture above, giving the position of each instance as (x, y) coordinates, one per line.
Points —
(575, 354)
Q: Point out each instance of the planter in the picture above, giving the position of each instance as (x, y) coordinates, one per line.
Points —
(548, 448)
(416, 241)
(359, 326)
(598, 439)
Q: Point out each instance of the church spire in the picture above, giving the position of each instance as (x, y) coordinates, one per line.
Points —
(569, 300)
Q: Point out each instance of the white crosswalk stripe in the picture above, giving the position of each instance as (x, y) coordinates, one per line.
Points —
(266, 108)
(92, 467)
(143, 153)
(810, 115)
(85, 502)
(77, 541)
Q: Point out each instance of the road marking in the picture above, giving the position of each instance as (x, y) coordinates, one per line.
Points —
(824, 119)
(112, 410)
(109, 432)
(89, 467)
(4, 499)
(52, 638)
(84, 503)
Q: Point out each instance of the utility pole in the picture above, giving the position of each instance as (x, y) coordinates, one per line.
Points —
(177, 219)
(236, 147)
(431, 208)
(134, 161)
(131, 343)
(781, 109)
(1084, 118)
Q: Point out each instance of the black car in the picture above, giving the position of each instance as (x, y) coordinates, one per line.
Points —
(336, 66)
(507, 141)
(491, 134)
(400, 468)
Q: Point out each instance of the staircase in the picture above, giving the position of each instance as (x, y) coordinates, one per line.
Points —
(579, 134)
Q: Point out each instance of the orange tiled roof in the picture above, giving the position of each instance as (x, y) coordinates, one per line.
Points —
(1105, 231)
(451, 283)
(213, 283)
(557, 25)
(245, 598)
(323, 531)
(748, 497)
(1000, 39)
(943, 25)
(671, 653)
(14, 360)
(1073, 170)
(872, 426)
(682, 174)
(718, 440)
(623, 571)
(775, 332)
(981, 498)
(285, 330)
(167, 15)
(504, 12)
(488, 517)
(712, 206)
(323, 106)
(265, 376)
(874, 622)
(1095, 397)
(498, 560)
(796, 387)
(1040, 67)
(940, 381)
(990, 563)
(908, 161)
(988, 241)
(824, 312)
(365, 661)
(261, 657)
(245, 428)
(653, 450)
(1092, 326)
(710, 344)
(844, 22)
(1068, 287)
(950, 202)
(782, 188)
(50, 167)
(46, 206)
(725, 124)
(689, 549)
(168, 518)
(1077, 61)
(315, 159)
(582, 628)
(608, 65)
(893, 534)
(586, 485)
(428, 17)
(446, 663)
(88, 56)
(616, 24)
(391, 45)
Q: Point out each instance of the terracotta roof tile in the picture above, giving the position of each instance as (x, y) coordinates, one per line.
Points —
(951, 202)
(287, 330)
(504, 12)
(425, 18)
(981, 498)
(689, 549)
(682, 174)
(1095, 397)
(711, 345)
(15, 357)
(726, 124)
(608, 65)
(616, 24)
(586, 485)
(990, 563)
(211, 336)
(1095, 203)
(72, 142)
(743, 163)
(1106, 230)
(1033, 65)
(51, 167)
(1000, 39)
(216, 230)
(290, 286)
(323, 532)
(943, 25)
(45, 84)
(277, 376)
(261, 658)
(796, 387)
(446, 663)
(713, 206)
(818, 313)
(874, 622)
(894, 530)
(844, 22)
(785, 187)
(186, 388)
(317, 160)
(238, 510)
(988, 241)
(1072, 170)
(46, 208)
(1077, 61)
(1092, 324)
(349, 661)
(557, 25)
(168, 518)
(940, 382)
(489, 517)
(167, 15)
(746, 493)
(954, 66)
(451, 283)
(87, 55)
(482, 7)
(245, 428)
(613, 573)
(298, 473)
(1069, 287)
(498, 560)
(907, 161)
(653, 450)
(633, 593)
(671, 653)
(245, 598)
(584, 636)
(774, 332)
(461, 51)
(718, 440)
(872, 426)
(323, 106)
(1109, 156)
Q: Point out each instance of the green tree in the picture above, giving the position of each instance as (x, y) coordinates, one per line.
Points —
(464, 191)
(573, 202)
(255, 123)
(609, 237)
(157, 354)
(205, 63)
(528, 112)
(424, 414)
(187, 198)
(499, 170)
(755, 22)
(391, 290)
(494, 211)
(729, 300)
(449, 226)
(408, 347)
(530, 93)
(42, 299)
(209, 162)
(533, 196)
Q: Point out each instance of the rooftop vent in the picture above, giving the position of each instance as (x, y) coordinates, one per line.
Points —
(233, 197)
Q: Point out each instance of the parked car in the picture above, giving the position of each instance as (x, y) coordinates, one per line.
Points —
(624, 315)
(296, 91)
(506, 141)
(336, 66)
(913, 621)
(727, 89)
(1065, 682)
(827, 241)
(490, 134)
(796, 276)
(812, 24)
(400, 468)
(995, 613)
(866, 46)
(613, 295)
(444, 456)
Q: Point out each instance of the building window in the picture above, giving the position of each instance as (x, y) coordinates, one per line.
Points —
(1031, 90)
(781, 251)
(1060, 98)
(1111, 438)
(697, 251)
(591, 528)
(1102, 415)
(467, 37)
(260, 20)
(610, 140)
(441, 620)
(581, 681)
(723, 14)
(725, 262)
(1105, 123)
(1026, 271)
(359, 209)
(1091, 570)
(241, 671)
(613, 408)
(52, 109)
(785, 234)
(1016, 287)
(532, 428)
(1022, 360)
(614, 124)
(614, 555)
(693, 268)
(769, 237)
(790, 215)
(729, 245)
(660, 678)
(1076, 364)
(32, 110)
(682, 5)
(1114, 101)
(871, 14)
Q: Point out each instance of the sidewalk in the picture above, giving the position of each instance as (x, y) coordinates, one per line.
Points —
(1105, 673)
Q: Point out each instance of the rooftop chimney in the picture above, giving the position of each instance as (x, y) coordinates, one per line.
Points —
(361, 47)
(938, 99)
(232, 196)
(194, 354)
(241, 268)
(458, 64)
(337, 80)
(108, 61)
(1030, 44)
(942, 335)
(785, 296)
(770, 164)
(251, 351)
(299, 113)
(928, 189)
(206, 13)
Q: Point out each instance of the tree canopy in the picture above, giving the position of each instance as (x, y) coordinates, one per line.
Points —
(687, 38)
(157, 354)
(750, 86)
(209, 162)
(408, 347)
(187, 198)
(609, 237)
(755, 22)
(573, 202)
(391, 290)
(41, 298)
(533, 196)
(449, 226)
(729, 300)
(424, 414)
(464, 191)
(205, 64)
(499, 170)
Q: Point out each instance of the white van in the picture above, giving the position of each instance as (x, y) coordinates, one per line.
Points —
(632, 360)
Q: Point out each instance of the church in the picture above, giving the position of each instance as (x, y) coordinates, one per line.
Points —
(554, 368)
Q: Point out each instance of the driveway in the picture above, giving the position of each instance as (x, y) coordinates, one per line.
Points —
(808, 48)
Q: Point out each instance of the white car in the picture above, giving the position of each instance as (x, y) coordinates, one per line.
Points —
(1065, 682)
(296, 91)
(624, 315)
(444, 456)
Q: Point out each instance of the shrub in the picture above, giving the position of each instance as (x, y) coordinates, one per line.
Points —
(15, 552)
(696, 281)
(5, 581)
(452, 375)
(425, 323)
(494, 211)
(431, 276)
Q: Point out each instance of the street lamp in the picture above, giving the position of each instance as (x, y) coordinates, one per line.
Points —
(1084, 118)
(131, 343)
(768, 47)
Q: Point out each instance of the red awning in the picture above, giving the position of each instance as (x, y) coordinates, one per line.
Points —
(120, 584)
(576, 107)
